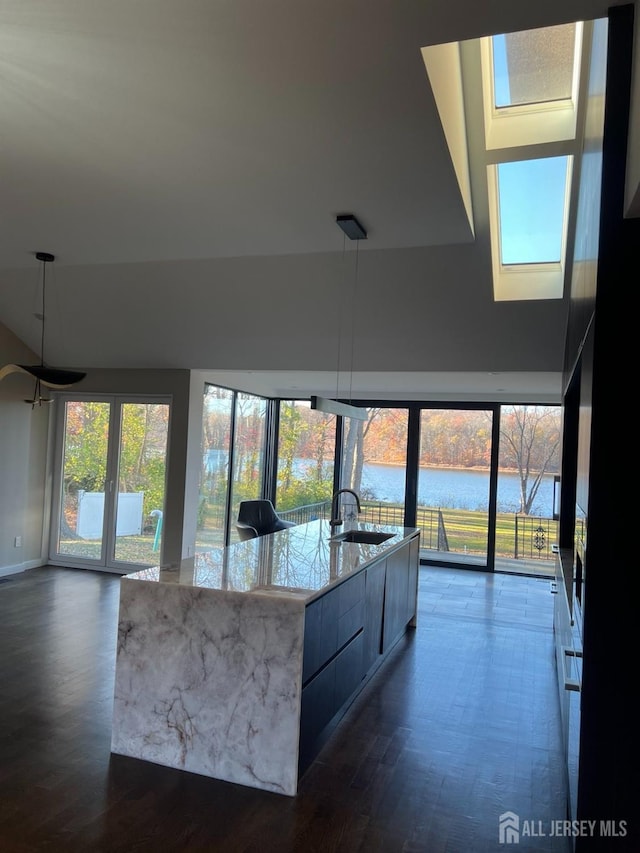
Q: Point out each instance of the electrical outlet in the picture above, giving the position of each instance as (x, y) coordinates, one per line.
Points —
(17, 542)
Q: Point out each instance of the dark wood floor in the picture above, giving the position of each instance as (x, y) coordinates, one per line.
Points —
(460, 725)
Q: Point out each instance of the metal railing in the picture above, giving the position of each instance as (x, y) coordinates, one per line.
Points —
(534, 537)
(309, 512)
(524, 537)
(520, 537)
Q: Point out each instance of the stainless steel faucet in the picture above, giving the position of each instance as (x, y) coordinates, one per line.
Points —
(336, 521)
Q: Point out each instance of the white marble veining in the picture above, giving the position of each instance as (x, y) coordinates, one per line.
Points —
(210, 682)
(209, 659)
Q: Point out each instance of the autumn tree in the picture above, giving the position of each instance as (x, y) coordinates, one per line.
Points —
(305, 456)
(530, 439)
(291, 429)
(356, 432)
(248, 446)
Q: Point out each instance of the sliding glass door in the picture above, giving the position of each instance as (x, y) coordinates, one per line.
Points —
(82, 484)
(453, 484)
(109, 483)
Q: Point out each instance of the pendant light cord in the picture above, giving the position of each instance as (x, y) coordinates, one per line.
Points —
(353, 319)
(338, 365)
(44, 277)
(354, 293)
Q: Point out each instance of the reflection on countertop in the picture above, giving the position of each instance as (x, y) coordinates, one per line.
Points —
(298, 562)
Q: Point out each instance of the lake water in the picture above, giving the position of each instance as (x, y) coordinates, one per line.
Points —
(447, 487)
(442, 487)
(454, 488)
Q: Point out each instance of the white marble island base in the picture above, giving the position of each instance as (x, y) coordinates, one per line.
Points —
(209, 682)
(236, 664)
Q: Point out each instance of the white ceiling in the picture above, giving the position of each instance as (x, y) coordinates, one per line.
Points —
(449, 386)
(185, 162)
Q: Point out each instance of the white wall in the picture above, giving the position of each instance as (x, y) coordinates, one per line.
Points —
(23, 453)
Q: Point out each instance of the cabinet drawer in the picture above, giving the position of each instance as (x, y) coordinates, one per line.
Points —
(324, 697)
(317, 709)
(350, 592)
(350, 623)
(311, 660)
(374, 603)
(349, 670)
(330, 622)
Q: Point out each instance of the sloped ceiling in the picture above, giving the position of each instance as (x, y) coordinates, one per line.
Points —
(185, 162)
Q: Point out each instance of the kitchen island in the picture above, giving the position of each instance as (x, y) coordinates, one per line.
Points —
(238, 663)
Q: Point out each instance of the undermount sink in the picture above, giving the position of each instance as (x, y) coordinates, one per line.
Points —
(363, 537)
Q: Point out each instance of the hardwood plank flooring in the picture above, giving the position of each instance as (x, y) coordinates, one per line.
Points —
(460, 725)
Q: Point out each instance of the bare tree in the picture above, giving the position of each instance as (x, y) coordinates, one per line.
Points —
(529, 443)
(356, 433)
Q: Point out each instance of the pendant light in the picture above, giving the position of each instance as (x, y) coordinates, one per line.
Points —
(47, 377)
(354, 231)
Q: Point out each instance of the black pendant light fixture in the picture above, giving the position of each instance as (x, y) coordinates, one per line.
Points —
(47, 377)
(354, 231)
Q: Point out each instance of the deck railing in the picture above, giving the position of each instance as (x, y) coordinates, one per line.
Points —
(309, 512)
(526, 537)
(520, 537)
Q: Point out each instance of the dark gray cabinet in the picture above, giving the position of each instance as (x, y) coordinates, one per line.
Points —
(396, 595)
(348, 631)
(374, 604)
(412, 585)
(331, 622)
(332, 666)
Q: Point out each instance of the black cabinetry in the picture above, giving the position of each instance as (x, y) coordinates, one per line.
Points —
(332, 667)
(348, 632)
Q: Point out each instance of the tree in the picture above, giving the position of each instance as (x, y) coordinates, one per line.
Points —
(291, 428)
(249, 446)
(305, 454)
(356, 432)
(529, 442)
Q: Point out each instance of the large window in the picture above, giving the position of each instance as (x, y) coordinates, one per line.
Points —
(214, 477)
(233, 461)
(306, 456)
(479, 500)
(374, 464)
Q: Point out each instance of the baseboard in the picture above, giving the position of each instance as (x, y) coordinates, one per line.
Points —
(20, 567)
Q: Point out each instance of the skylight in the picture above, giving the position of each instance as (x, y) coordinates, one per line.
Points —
(531, 200)
(534, 67)
(530, 90)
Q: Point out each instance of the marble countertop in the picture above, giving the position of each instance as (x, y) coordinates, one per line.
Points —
(300, 562)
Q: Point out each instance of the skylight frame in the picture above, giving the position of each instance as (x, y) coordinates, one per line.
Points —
(526, 281)
(529, 124)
